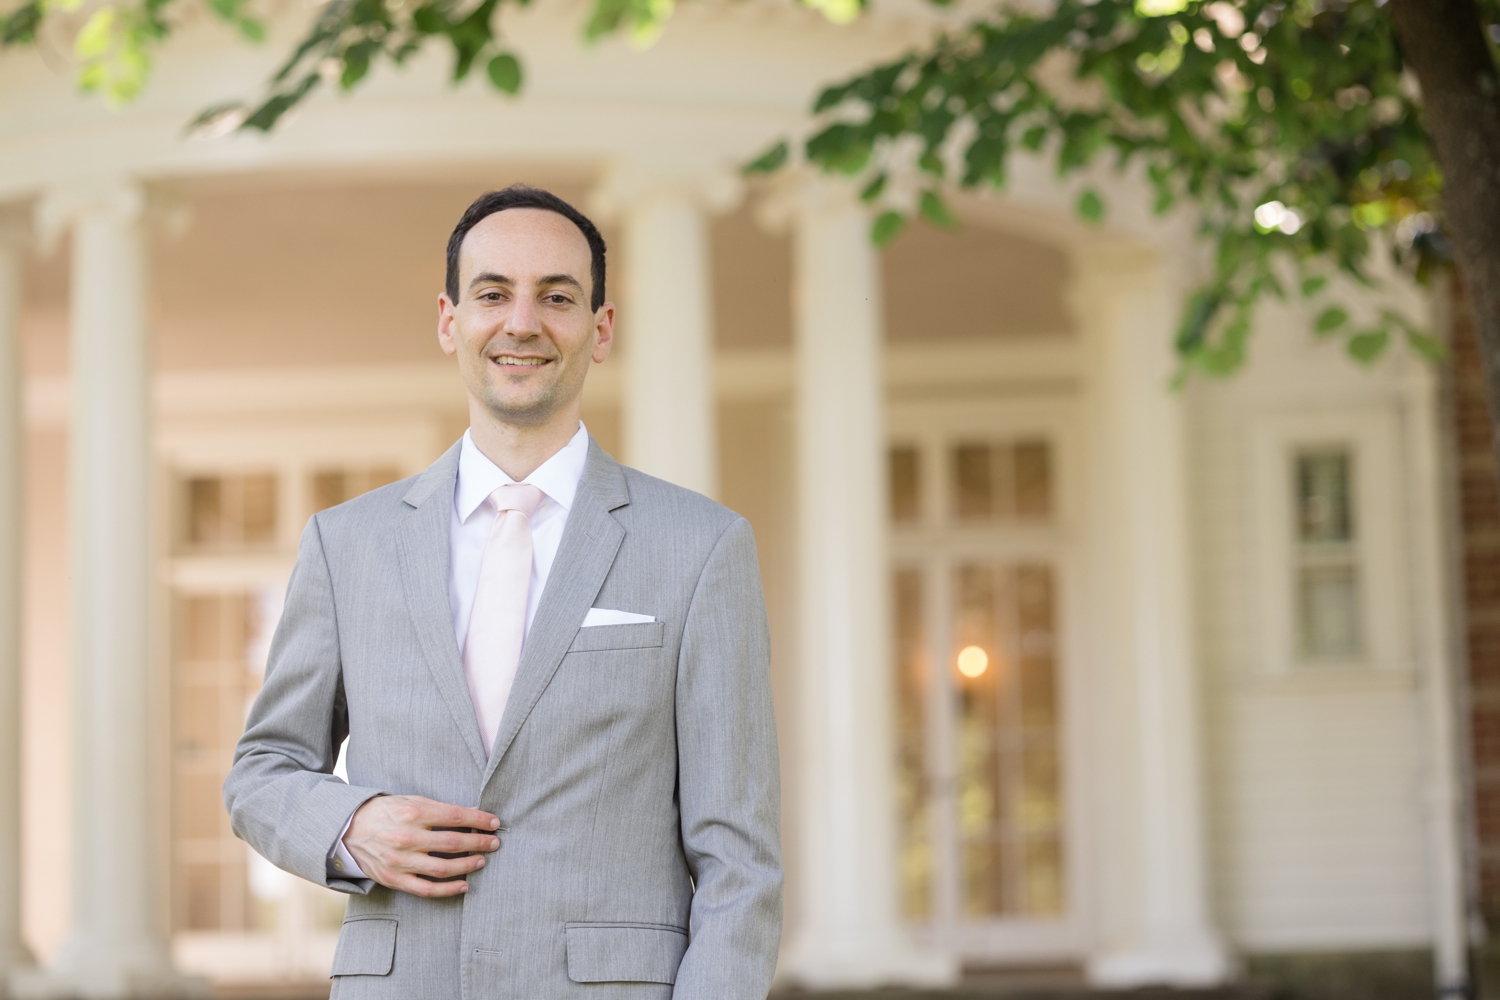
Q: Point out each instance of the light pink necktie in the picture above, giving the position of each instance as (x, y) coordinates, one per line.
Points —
(497, 621)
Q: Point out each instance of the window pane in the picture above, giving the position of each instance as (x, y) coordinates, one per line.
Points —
(259, 509)
(905, 484)
(230, 512)
(213, 685)
(972, 493)
(1324, 502)
(1033, 464)
(205, 511)
(1001, 480)
(1328, 606)
(331, 487)
(912, 798)
(1008, 806)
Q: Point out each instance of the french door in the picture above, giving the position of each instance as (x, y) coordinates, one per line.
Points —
(979, 502)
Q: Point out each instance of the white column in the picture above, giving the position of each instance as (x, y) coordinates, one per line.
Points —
(14, 955)
(666, 325)
(846, 926)
(116, 947)
(1156, 923)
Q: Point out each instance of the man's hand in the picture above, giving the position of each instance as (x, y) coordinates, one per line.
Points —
(392, 838)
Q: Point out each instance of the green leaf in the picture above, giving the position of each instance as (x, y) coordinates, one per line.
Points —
(1312, 286)
(1367, 345)
(1091, 206)
(873, 189)
(269, 113)
(215, 114)
(935, 212)
(840, 147)
(1159, 8)
(837, 11)
(1429, 347)
(770, 161)
(97, 34)
(20, 27)
(887, 226)
(505, 73)
(1200, 312)
(1329, 320)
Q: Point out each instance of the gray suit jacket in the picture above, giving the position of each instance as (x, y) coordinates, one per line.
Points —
(634, 772)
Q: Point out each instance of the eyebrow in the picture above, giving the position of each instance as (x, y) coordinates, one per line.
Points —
(490, 277)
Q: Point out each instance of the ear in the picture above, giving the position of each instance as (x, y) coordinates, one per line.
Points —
(447, 317)
(604, 332)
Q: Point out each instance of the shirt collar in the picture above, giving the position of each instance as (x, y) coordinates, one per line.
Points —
(557, 478)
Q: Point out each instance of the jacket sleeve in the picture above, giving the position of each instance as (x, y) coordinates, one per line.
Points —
(729, 783)
(282, 796)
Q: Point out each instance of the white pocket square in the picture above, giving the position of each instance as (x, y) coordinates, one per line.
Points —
(609, 616)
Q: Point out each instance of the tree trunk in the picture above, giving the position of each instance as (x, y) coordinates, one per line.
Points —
(1443, 43)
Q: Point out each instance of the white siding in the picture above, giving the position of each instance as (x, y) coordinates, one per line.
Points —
(1323, 839)
(1315, 780)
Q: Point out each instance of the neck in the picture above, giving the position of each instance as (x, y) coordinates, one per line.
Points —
(520, 449)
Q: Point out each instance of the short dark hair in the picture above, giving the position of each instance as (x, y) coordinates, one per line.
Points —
(526, 196)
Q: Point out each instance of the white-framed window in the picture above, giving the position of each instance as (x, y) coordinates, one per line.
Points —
(1327, 541)
(239, 493)
(980, 498)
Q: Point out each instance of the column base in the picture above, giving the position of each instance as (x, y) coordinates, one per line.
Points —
(14, 959)
(873, 960)
(106, 977)
(1200, 963)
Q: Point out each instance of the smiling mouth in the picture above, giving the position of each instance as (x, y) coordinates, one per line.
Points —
(511, 361)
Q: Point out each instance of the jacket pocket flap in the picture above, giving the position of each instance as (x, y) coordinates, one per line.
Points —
(637, 635)
(624, 953)
(367, 947)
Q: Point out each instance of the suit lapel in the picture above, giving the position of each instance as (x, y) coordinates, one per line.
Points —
(422, 545)
(588, 547)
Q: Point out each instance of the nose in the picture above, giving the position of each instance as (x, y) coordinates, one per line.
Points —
(525, 320)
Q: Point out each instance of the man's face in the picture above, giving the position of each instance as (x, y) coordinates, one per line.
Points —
(522, 329)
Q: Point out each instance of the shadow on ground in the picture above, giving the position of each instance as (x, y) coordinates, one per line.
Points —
(1393, 975)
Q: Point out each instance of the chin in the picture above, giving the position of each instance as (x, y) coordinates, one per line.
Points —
(521, 411)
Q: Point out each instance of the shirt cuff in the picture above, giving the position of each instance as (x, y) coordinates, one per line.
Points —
(341, 863)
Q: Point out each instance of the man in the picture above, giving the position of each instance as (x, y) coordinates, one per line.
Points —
(553, 675)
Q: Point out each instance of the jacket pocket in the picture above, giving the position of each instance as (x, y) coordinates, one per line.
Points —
(624, 952)
(367, 947)
(637, 635)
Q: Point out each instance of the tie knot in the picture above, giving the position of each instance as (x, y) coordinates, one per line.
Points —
(517, 496)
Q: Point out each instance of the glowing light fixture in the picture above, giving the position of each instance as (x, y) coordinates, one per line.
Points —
(972, 661)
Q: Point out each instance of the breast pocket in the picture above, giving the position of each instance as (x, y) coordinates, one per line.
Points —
(637, 635)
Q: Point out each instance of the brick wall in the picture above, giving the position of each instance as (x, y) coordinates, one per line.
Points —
(1479, 503)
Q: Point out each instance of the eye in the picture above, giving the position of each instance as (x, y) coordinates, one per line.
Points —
(558, 298)
(490, 296)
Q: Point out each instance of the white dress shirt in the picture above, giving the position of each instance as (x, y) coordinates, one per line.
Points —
(469, 531)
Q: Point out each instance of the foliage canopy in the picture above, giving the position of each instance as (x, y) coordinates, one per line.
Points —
(1292, 126)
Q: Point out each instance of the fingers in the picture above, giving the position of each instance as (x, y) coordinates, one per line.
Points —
(461, 843)
(426, 864)
(404, 841)
(445, 814)
(422, 887)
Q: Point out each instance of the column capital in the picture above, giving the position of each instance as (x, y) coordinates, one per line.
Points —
(632, 181)
(804, 191)
(60, 207)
